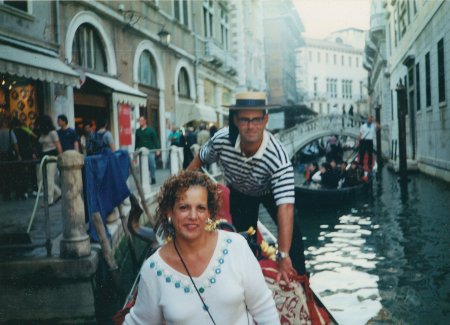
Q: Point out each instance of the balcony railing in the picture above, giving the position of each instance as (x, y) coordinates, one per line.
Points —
(215, 54)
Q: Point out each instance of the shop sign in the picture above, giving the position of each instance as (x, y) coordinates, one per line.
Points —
(124, 124)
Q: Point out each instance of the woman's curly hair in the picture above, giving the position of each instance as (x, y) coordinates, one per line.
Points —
(171, 191)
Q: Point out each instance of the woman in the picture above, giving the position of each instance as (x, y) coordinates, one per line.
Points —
(201, 275)
(9, 151)
(51, 146)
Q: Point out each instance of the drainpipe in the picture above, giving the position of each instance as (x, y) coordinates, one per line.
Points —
(196, 62)
(57, 22)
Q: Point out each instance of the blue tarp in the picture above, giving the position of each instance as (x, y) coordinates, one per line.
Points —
(105, 187)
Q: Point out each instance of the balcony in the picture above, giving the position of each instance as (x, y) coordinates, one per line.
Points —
(230, 64)
(214, 53)
(377, 25)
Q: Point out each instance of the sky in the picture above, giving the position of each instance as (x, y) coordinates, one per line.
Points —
(321, 17)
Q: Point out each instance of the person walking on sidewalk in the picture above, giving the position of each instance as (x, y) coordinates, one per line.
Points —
(146, 137)
(67, 136)
(258, 171)
(51, 146)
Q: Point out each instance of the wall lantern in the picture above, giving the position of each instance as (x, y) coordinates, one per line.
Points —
(164, 36)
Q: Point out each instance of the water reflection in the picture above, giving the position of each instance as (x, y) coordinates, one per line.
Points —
(340, 270)
(384, 258)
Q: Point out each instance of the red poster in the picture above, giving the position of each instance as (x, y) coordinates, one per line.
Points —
(124, 124)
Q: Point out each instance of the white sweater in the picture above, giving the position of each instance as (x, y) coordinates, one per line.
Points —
(231, 284)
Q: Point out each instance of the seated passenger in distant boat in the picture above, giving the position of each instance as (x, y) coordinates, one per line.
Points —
(353, 176)
(325, 176)
(342, 173)
(310, 171)
(334, 174)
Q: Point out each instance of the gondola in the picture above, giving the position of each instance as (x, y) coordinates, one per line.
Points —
(315, 197)
(300, 305)
(311, 196)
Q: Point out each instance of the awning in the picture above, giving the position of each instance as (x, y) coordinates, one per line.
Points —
(36, 66)
(187, 112)
(122, 92)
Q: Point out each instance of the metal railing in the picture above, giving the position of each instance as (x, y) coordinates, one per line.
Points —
(23, 239)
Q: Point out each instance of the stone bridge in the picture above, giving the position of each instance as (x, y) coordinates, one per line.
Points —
(300, 135)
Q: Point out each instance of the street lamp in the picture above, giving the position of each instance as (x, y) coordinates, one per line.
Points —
(164, 36)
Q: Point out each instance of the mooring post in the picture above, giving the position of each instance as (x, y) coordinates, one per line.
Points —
(143, 169)
(378, 135)
(75, 241)
(401, 112)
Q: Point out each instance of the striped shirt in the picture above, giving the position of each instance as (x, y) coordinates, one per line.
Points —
(268, 170)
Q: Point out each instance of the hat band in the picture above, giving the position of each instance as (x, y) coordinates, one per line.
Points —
(250, 102)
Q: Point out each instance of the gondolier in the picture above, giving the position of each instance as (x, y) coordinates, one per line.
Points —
(367, 134)
(257, 171)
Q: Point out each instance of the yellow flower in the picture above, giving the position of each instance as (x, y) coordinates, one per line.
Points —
(268, 251)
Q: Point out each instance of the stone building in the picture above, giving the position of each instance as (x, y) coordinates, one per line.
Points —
(282, 30)
(330, 74)
(173, 61)
(415, 42)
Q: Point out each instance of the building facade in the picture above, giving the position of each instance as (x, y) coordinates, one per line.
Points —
(282, 30)
(92, 59)
(330, 74)
(417, 43)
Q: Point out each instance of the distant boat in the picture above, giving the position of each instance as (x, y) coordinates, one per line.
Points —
(322, 197)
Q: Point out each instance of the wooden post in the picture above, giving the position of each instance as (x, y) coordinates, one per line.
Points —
(401, 112)
(379, 155)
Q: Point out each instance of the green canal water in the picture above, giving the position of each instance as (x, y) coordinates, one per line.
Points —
(383, 258)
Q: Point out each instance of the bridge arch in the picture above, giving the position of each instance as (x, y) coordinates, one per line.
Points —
(300, 135)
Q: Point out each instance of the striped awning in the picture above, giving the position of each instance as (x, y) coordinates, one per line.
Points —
(187, 112)
(31, 65)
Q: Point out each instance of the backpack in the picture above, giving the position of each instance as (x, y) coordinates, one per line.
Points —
(95, 143)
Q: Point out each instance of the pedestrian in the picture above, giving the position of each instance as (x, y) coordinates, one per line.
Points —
(212, 130)
(367, 133)
(258, 171)
(190, 140)
(343, 116)
(101, 140)
(25, 142)
(202, 135)
(9, 151)
(67, 136)
(350, 114)
(50, 146)
(174, 137)
(85, 137)
(146, 137)
(200, 275)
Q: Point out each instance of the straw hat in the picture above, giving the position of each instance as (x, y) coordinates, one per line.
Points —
(250, 101)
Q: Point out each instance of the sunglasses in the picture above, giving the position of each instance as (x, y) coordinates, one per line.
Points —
(248, 121)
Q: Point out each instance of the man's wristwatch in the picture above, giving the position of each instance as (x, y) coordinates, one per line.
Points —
(281, 255)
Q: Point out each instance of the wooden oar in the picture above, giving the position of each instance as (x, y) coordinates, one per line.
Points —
(107, 253)
(124, 221)
(141, 195)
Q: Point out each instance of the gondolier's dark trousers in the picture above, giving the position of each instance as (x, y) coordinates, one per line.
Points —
(244, 211)
(366, 146)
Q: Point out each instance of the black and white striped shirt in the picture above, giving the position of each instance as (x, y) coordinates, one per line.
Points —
(268, 170)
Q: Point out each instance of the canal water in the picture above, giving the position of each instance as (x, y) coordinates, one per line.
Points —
(382, 258)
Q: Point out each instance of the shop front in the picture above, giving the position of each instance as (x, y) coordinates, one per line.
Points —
(26, 80)
(105, 97)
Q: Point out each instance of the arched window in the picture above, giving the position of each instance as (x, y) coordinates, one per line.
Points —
(147, 70)
(87, 50)
(183, 84)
